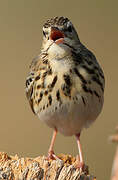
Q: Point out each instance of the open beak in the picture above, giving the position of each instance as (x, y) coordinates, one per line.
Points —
(57, 36)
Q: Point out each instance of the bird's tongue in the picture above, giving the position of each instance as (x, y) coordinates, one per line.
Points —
(57, 36)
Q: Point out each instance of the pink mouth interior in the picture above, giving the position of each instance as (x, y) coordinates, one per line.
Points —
(57, 36)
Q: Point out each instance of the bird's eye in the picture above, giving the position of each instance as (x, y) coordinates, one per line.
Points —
(70, 28)
(44, 33)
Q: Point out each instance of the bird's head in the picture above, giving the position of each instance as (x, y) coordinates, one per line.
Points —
(59, 32)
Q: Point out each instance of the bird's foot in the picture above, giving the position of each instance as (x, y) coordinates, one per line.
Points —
(51, 156)
(79, 165)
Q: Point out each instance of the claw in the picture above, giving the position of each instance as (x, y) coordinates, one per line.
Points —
(51, 155)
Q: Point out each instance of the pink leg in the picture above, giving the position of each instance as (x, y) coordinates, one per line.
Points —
(51, 154)
(80, 157)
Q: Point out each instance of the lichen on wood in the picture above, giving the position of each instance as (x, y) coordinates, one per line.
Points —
(15, 168)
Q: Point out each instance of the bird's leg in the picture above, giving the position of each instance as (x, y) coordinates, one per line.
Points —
(80, 161)
(51, 154)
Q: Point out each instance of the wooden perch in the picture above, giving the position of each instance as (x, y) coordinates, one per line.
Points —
(15, 168)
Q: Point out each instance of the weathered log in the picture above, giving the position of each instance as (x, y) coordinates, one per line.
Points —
(15, 168)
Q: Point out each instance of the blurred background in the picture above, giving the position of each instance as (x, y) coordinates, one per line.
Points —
(20, 39)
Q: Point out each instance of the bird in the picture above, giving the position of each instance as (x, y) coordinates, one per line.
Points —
(65, 83)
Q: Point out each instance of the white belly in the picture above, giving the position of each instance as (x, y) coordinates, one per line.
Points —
(70, 118)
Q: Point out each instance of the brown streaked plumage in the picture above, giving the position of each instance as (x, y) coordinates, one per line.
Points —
(65, 85)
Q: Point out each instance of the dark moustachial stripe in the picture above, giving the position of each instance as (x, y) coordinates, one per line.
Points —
(80, 76)
(71, 47)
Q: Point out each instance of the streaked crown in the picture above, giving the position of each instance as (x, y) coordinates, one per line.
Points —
(56, 21)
